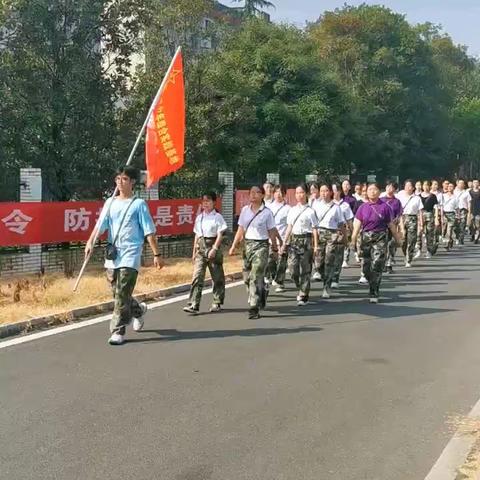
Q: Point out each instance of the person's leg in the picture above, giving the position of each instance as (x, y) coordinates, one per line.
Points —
(339, 256)
(306, 260)
(259, 261)
(378, 256)
(430, 232)
(412, 237)
(124, 281)
(330, 259)
(294, 261)
(271, 265)
(217, 273)
(281, 269)
(198, 278)
(366, 257)
(320, 257)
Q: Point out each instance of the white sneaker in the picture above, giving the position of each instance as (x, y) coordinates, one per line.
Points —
(116, 339)
(457, 242)
(408, 265)
(299, 297)
(345, 264)
(302, 303)
(373, 300)
(138, 323)
(428, 255)
(335, 285)
(326, 293)
(418, 254)
(317, 277)
(357, 258)
(363, 280)
(216, 307)
(275, 284)
(280, 289)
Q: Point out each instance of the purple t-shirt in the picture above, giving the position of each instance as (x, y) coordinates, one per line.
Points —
(395, 204)
(374, 217)
(351, 201)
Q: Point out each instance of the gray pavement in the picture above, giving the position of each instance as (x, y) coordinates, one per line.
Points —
(337, 390)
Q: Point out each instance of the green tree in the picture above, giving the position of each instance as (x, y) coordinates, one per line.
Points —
(63, 68)
(252, 8)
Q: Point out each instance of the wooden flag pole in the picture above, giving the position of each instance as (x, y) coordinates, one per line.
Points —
(129, 161)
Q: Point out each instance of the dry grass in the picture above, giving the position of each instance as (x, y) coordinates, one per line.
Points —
(30, 297)
(468, 426)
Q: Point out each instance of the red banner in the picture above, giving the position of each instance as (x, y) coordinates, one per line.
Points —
(57, 222)
(242, 198)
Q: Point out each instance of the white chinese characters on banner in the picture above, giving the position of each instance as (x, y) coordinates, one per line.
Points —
(163, 217)
(75, 220)
(185, 214)
(17, 222)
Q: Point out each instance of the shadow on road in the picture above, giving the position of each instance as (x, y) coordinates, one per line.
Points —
(173, 335)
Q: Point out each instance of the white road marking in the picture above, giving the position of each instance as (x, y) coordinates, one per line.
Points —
(455, 453)
(95, 321)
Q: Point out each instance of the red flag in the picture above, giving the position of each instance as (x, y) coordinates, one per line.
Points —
(165, 143)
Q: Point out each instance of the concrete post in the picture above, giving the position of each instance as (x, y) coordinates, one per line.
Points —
(228, 201)
(31, 191)
(274, 178)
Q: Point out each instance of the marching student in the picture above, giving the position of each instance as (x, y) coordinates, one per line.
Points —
(464, 210)
(358, 251)
(439, 194)
(343, 241)
(301, 241)
(475, 210)
(314, 190)
(358, 192)
(330, 222)
(347, 196)
(372, 221)
(129, 223)
(269, 188)
(412, 221)
(450, 210)
(277, 265)
(430, 220)
(418, 188)
(395, 205)
(209, 229)
(256, 226)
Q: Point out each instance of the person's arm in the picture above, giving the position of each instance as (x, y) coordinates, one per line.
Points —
(287, 239)
(357, 225)
(315, 240)
(396, 235)
(99, 228)
(157, 259)
(194, 249)
(238, 238)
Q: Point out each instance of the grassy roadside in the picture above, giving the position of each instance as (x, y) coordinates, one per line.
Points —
(32, 296)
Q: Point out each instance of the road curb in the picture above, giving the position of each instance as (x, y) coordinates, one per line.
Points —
(77, 314)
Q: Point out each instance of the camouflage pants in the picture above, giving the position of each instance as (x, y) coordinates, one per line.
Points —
(391, 248)
(450, 223)
(430, 233)
(461, 225)
(325, 258)
(122, 282)
(475, 227)
(277, 267)
(374, 252)
(215, 267)
(300, 257)
(411, 231)
(255, 259)
(339, 255)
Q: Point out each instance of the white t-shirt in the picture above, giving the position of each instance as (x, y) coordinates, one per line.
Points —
(260, 225)
(383, 194)
(439, 196)
(357, 197)
(450, 202)
(209, 224)
(303, 219)
(464, 198)
(329, 215)
(268, 202)
(280, 214)
(346, 210)
(411, 204)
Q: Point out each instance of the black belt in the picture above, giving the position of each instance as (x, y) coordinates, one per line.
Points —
(257, 241)
(209, 238)
(327, 229)
(302, 235)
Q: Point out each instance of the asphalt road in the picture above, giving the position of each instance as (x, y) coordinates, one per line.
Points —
(340, 389)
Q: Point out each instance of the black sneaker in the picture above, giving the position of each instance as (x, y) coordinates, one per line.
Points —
(253, 313)
(191, 309)
(390, 269)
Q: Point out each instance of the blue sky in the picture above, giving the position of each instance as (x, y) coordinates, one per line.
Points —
(459, 18)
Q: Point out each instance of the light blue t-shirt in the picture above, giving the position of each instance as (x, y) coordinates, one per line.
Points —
(137, 225)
